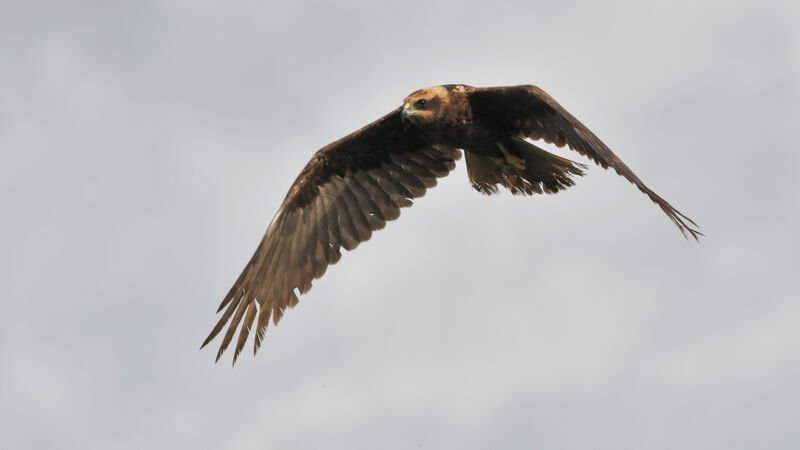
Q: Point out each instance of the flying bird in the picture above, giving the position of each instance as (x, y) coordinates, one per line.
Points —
(355, 185)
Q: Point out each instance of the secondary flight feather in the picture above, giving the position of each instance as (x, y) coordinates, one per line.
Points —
(355, 185)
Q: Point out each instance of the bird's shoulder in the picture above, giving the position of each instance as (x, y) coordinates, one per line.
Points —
(364, 149)
(509, 96)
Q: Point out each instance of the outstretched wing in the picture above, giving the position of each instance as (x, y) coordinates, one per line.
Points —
(348, 189)
(529, 112)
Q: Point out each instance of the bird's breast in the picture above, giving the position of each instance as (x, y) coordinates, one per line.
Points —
(460, 133)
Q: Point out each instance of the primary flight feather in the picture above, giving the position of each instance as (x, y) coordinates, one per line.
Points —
(353, 186)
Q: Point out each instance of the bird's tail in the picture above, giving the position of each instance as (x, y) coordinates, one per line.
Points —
(521, 167)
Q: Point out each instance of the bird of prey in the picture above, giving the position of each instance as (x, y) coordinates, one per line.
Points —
(355, 185)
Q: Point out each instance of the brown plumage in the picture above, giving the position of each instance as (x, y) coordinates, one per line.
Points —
(355, 185)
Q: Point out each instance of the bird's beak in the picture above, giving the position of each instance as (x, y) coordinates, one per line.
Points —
(404, 113)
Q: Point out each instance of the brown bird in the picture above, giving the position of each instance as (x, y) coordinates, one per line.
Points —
(355, 185)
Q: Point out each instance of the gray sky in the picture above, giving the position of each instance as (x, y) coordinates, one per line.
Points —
(144, 147)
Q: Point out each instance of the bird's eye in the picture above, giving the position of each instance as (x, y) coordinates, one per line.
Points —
(420, 103)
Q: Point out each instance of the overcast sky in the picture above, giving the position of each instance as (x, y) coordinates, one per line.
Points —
(144, 147)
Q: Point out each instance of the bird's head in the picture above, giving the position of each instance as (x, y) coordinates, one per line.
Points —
(425, 105)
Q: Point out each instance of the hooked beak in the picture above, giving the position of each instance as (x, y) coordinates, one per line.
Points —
(404, 113)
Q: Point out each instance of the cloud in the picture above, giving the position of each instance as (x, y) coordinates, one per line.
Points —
(144, 150)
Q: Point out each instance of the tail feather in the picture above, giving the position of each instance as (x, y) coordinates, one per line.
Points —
(543, 171)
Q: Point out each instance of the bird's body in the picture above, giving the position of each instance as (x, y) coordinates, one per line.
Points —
(353, 186)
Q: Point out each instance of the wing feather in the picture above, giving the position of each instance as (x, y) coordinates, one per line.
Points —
(372, 212)
(237, 317)
(527, 111)
(348, 231)
(261, 327)
(412, 184)
(419, 171)
(399, 194)
(348, 190)
(356, 213)
(334, 236)
(221, 323)
(388, 208)
(250, 315)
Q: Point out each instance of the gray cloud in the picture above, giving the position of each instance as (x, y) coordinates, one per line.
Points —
(144, 148)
